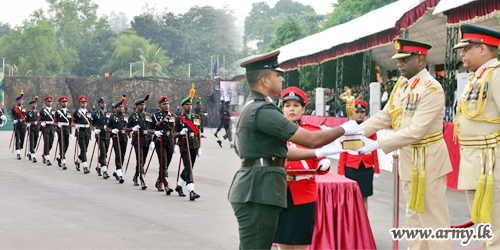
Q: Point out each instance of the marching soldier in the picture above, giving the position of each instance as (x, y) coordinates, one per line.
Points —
(126, 110)
(18, 116)
(188, 126)
(139, 122)
(163, 129)
(221, 115)
(258, 191)
(116, 125)
(46, 117)
(197, 111)
(82, 120)
(32, 125)
(99, 121)
(415, 111)
(63, 131)
(226, 120)
(476, 125)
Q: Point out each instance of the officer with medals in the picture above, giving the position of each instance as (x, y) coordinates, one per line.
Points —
(187, 128)
(415, 111)
(477, 127)
(99, 121)
(258, 191)
(226, 120)
(116, 125)
(32, 126)
(46, 119)
(18, 116)
(162, 128)
(82, 120)
(63, 120)
(139, 123)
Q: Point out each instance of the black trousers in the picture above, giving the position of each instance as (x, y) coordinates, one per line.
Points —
(83, 141)
(186, 172)
(120, 146)
(63, 139)
(221, 124)
(48, 138)
(228, 135)
(139, 167)
(33, 137)
(20, 135)
(164, 154)
(103, 147)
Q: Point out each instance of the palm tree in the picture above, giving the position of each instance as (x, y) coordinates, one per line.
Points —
(154, 59)
(23, 68)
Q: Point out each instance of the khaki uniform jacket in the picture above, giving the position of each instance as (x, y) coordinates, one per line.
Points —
(470, 167)
(426, 118)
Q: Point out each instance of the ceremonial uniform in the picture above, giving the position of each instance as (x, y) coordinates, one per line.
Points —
(31, 120)
(117, 124)
(100, 121)
(197, 111)
(191, 123)
(46, 117)
(415, 111)
(18, 115)
(63, 120)
(221, 112)
(140, 140)
(476, 125)
(164, 144)
(83, 121)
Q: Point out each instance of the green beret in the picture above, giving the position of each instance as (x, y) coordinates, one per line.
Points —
(187, 99)
(142, 100)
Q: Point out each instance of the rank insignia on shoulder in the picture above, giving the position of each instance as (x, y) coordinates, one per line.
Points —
(426, 82)
(432, 89)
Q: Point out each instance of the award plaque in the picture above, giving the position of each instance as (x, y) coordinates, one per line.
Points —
(352, 142)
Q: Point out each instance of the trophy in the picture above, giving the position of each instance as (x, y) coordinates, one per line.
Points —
(352, 141)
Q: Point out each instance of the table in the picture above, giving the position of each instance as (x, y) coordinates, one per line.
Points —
(341, 219)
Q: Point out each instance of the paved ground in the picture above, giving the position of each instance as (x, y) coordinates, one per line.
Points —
(44, 207)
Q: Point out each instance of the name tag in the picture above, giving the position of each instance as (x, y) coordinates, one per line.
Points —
(108, 115)
(148, 118)
(196, 122)
(23, 109)
(88, 115)
(53, 112)
(171, 119)
(125, 118)
(69, 115)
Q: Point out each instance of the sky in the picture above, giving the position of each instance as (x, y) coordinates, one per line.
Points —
(14, 12)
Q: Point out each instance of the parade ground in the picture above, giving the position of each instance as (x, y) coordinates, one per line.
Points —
(44, 207)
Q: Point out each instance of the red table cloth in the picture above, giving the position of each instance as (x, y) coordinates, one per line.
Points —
(341, 219)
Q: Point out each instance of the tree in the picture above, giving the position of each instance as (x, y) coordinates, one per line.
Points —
(118, 22)
(154, 60)
(23, 68)
(288, 31)
(346, 10)
(4, 29)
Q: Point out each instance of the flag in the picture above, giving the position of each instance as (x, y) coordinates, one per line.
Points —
(215, 68)
(10, 71)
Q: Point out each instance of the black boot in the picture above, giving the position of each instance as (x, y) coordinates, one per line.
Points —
(29, 156)
(120, 179)
(135, 181)
(18, 156)
(105, 175)
(143, 184)
(158, 185)
(168, 189)
(178, 189)
(220, 143)
(98, 171)
(116, 176)
(34, 160)
(86, 170)
(77, 165)
(48, 162)
(193, 195)
(59, 162)
(64, 167)
(44, 161)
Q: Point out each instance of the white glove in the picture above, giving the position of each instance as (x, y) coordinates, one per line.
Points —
(158, 133)
(15, 121)
(370, 145)
(110, 141)
(151, 146)
(115, 131)
(3, 117)
(130, 141)
(77, 126)
(324, 164)
(43, 124)
(199, 152)
(1, 125)
(176, 148)
(97, 131)
(59, 125)
(136, 128)
(329, 149)
(184, 131)
(71, 136)
(375, 176)
(28, 125)
(351, 127)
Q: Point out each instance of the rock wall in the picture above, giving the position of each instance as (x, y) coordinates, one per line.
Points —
(111, 88)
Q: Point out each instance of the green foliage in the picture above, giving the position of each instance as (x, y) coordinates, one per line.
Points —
(23, 68)
(288, 31)
(118, 21)
(346, 10)
(154, 60)
(4, 29)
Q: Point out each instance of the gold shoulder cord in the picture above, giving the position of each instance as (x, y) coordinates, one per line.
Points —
(396, 114)
(462, 106)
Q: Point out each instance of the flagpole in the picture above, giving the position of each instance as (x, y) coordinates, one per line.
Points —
(224, 67)
(211, 68)
(217, 64)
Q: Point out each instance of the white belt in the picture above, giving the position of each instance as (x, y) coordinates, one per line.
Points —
(84, 125)
(299, 177)
(49, 122)
(63, 123)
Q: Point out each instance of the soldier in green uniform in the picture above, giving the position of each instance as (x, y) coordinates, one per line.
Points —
(226, 120)
(221, 115)
(258, 190)
(163, 129)
(99, 121)
(32, 125)
(46, 118)
(139, 123)
(64, 131)
(116, 125)
(18, 116)
(82, 120)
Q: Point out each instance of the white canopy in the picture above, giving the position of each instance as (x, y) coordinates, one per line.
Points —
(445, 5)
